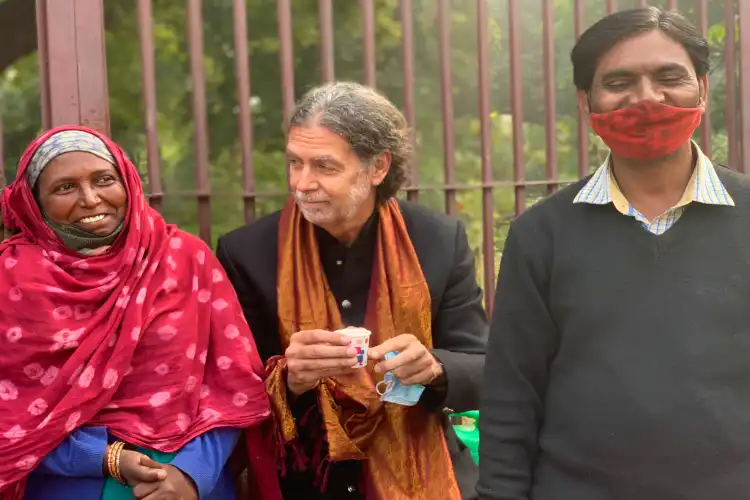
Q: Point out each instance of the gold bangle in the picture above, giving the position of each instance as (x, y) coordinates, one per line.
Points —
(118, 476)
(109, 460)
(117, 464)
(113, 461)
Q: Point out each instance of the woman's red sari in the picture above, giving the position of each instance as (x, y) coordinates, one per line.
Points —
(147, 339)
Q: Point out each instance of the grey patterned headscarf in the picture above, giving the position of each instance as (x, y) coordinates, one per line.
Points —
(58, 144)
(63, 142)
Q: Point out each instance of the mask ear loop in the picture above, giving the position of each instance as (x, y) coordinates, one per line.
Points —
(383, 391)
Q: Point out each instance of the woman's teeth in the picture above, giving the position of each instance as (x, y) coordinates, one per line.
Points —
(89, 220)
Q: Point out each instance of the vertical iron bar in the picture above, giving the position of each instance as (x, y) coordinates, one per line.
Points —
(407, 23)
(3, 233)
(488, 243)
(642, 3)
(148, 79)
(91, 62)
(706, 120)
(550, 99)
(516, 105)
(244, 118)
(43, 60)
(611, 6)
(73, 66)
(2, 153)
(446, 87)
(325, 23)
(583, 129)
(368, 42)
(730, 48)
(671, 4)
(197, 79)
(286, 57)
(744, 52)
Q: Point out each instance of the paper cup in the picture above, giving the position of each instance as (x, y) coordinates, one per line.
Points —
(360, 341)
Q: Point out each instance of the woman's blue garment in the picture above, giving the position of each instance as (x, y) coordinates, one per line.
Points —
(73, 470)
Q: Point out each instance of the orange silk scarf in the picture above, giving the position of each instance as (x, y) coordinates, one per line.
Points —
(404, 447)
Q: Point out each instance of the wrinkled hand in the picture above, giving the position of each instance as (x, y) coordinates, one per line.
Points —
(176, 485)
(134, 471)
(414, 364)
(316, 354)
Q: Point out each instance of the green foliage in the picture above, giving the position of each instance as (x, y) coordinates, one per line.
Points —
(21, 112)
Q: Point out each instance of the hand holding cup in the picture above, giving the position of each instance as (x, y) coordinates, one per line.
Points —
(316, 354)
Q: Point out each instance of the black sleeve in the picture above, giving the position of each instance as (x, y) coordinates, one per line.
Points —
(264, 329)
(459, 334)
(522, 345)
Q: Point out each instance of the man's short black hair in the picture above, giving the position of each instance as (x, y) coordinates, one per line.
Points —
(609, 31)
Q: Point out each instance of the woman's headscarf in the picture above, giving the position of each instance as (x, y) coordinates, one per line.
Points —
(147, 339)
(68, 141)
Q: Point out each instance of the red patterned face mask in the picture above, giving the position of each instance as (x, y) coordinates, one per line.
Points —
(646, 130)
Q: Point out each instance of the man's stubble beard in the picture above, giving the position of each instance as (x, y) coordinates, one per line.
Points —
(337, 213)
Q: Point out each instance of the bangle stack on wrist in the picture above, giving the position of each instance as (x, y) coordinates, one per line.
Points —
(113, 461)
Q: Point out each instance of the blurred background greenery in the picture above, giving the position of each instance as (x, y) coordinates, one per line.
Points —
(20, 109)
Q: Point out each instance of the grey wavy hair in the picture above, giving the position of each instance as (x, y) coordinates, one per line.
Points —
(369, 123)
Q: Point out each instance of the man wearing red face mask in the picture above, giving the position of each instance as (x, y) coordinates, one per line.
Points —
(618, 364)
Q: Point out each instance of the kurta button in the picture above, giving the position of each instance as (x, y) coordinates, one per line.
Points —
(339, 262)
(351, 489)
(346, 304)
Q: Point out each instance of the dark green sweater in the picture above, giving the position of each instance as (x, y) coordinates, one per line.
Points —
(618, 364)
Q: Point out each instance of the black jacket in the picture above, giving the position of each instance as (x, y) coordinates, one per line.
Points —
(459, 323)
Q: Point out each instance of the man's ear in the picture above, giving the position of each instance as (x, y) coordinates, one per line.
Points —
(703, 92)
(584, 103)
(380, 167)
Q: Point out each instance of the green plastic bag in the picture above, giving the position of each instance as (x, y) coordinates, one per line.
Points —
(468, 433)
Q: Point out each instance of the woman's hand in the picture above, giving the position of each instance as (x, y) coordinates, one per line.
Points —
(133, 470)
(176, 485)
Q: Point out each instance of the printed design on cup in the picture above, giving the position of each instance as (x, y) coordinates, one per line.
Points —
(360, 340)
(361, 344)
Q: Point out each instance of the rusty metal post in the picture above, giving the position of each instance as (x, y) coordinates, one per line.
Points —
(516, 104)
(583, 128)
(200, 117)
(368, 42)
(244, 118)
(2, 153)
(744, 94)
(407, 26)
(446, 98)
(325, 24)
(150, 113)
(72, 63)
(3, 233)
(705, 128)
(550, 97)
(730, 48)
(485, 136)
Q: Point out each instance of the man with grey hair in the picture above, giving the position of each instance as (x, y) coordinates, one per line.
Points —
(344, 252)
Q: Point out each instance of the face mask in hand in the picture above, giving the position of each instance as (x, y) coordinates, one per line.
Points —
(395, 392)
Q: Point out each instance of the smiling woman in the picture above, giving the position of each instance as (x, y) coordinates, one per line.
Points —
(85, 191)
(127, 368)
(79, 190)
